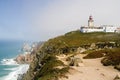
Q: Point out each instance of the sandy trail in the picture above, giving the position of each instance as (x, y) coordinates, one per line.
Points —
(92, 70)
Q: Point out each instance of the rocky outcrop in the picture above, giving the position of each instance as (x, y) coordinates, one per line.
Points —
(35, 66)
(20, 59)
(29, 54)
(80, 50)
(24, 58)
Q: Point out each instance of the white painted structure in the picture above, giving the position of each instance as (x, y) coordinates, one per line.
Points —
(109, 28)
(92, 28)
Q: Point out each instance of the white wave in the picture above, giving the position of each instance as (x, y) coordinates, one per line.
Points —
(8, 62)
(11, 69)
(15, 74)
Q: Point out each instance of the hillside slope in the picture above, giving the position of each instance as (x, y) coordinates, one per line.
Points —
(44, 66)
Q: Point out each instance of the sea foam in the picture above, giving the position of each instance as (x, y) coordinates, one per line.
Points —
(21, 69)
(8, 62)
(16, 71)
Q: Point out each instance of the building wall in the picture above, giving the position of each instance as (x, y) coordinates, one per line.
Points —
(110, 28)
(89, 29)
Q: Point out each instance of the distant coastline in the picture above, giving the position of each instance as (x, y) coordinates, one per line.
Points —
(11, 69)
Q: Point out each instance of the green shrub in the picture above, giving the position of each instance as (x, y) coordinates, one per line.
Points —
(113, 55)
(95, 54)
(49, 70)
(112, 58)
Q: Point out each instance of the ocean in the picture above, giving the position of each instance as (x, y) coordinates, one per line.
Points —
(9, 69)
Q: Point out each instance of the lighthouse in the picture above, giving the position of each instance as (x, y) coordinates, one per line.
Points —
(104, 28)
(90, 22)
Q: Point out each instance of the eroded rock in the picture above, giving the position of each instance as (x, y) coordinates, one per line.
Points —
(23, 58)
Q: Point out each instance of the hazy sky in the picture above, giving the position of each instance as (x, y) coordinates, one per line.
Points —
(43, 19)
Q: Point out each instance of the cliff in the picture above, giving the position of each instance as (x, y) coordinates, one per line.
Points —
(46, 64)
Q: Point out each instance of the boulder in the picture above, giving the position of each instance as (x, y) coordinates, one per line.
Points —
(80, 50)
(75, 61)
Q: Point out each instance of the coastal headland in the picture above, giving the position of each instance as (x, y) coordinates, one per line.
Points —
(77, 56)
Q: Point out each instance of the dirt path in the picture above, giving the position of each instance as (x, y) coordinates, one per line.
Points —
(92, 70)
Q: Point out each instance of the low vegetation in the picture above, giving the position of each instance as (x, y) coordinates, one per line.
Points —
(112, 57)
(95, 54)
(49, 70)
(75, 39)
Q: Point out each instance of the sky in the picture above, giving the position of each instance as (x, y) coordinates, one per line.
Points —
(39, 20)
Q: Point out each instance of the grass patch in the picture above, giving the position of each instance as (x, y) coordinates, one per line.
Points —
(76, 39)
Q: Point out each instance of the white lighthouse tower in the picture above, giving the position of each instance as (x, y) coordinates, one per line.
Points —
(90, 22)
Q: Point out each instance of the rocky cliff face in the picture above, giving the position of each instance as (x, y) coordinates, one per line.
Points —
(35, 64)
(24, 58)
(28, 53)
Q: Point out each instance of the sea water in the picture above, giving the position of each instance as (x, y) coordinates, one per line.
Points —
(9, 69)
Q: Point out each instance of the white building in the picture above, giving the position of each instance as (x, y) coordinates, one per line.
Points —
(92, 28)
(109, 28)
